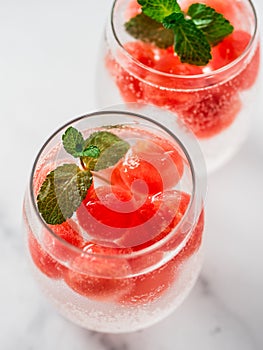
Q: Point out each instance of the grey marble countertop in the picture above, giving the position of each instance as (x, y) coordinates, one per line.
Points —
(48, 54)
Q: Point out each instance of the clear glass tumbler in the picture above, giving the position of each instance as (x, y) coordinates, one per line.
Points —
(215, 101)
(131, 250)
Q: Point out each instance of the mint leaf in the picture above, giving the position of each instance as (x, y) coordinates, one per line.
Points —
(91, 151)
(148, 30)
(213, 24)
(163, 23)
(62, 192)
(111, 147)
(159, 9)
(64, 188)
(73, 142)
(190, 43)
(112, 155)
(102, 140)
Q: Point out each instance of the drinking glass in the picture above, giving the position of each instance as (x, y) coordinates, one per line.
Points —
(216, 101)
(132, 250)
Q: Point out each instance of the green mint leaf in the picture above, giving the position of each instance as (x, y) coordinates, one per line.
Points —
(73, 142)
(91, 151)
(148, 30)
(213, 24)
(159, 9)
(190, 43)
(102, 140)
(62, 192)
(111, 147)
(112, 155)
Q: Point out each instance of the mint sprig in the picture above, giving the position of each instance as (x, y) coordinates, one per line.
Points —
(65, 187)
(192, 33)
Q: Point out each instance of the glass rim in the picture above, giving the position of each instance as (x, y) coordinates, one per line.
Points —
(203, 75)
(133, 253)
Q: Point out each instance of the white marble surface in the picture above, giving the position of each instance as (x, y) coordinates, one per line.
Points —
(48, 54)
